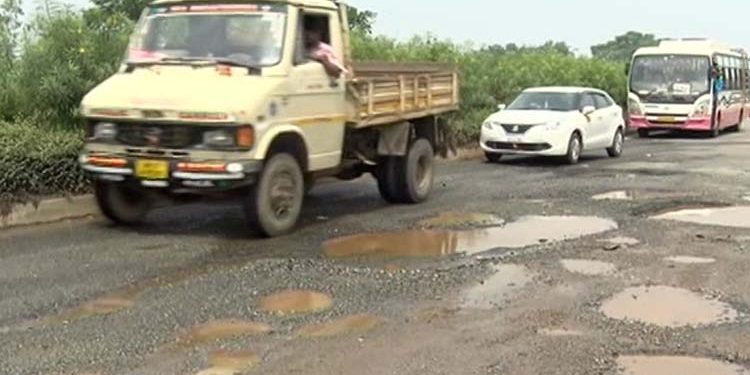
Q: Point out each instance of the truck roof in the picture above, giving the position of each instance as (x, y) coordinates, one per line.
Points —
(328, 4)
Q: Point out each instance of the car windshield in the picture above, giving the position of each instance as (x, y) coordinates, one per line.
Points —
(546, 101)
(670, 78)
(248, 34)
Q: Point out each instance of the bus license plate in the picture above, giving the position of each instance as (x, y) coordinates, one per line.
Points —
(667, 119)
(152, 169)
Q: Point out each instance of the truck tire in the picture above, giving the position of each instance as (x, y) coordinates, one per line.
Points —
(388, 175)
(275, 201)
(417, 172)
(120, 203)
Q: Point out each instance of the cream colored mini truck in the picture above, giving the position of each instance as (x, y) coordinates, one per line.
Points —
(220, 97)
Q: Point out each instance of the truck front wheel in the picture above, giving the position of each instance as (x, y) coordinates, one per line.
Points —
(120, 203)
(275, 202)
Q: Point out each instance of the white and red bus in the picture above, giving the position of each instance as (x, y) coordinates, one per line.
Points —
(671, 87)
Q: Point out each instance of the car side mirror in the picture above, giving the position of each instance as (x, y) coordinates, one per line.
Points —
(587, 110)
(501, 107)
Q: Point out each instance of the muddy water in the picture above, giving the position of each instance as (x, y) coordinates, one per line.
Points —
(493, 292)
(101, 306)
(588, 267)
(230, 362)
(354, 324)
(223, 329)
(449, 220)
(667, 307)
(647, 365)
(527, 231)
(690, 260)
(613, 196)
(296, 302)
(736, 217)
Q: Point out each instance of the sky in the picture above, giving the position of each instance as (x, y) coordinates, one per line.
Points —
(580, 23)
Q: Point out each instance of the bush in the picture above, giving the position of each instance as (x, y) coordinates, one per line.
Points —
(37, 161)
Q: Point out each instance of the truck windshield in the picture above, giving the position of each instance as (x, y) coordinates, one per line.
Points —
(546, 101)
(247, 34)
(670, 78)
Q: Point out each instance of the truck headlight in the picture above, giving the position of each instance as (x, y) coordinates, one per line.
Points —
(105, 131)
(218, 138)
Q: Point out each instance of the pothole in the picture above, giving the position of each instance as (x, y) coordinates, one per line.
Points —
(449, 220)
(666, 365)
(498, 288)
(230, 362)
(296, 302)
(622, 241)
(528, 231)
(588, 267)
(735, 217)
(100, 306)
(354, 324)
(223, 329)
(667, 307)
(613, 196)
(690, 260)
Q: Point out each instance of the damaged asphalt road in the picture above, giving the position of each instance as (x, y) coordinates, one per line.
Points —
(638, 265)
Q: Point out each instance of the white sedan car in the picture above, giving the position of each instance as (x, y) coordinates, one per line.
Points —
(555, 121)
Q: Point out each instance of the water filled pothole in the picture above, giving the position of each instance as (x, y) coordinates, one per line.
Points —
(230, 362)
(666, 365)
(736, 217)
(622, 241)
(613, 196)
(690, 260)
(296, 302)
(223, 329)
(450, 220)
(588, 267)
(498, 288)
(667, 307)
(528, 231)
(347, 325)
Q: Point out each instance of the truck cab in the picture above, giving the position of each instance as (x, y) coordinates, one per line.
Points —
(223, 96)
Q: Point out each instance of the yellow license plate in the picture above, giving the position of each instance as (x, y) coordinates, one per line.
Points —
(152, 169)
(667, 119)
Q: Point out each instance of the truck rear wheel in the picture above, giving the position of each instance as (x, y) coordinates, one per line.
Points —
(120, 203)
(388, 176)
(275, 202)
(408, 179)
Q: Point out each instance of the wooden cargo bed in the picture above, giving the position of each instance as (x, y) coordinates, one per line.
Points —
(385, 93)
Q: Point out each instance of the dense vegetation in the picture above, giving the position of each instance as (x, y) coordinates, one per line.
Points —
(47, 65)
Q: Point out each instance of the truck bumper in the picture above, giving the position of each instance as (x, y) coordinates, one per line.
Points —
(177, 176)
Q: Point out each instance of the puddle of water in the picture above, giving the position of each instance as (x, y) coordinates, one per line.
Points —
(625, 241)
(559, 332)
(347, 325)
(461, 219)
(653, 365)
(736, 217)
(614, 196)
(588, 267)
(230, 362)
(223, 329)
(667, 307)
(528, 231)
(643, 166)
(100, 306)
(493, 292)
(296, 302)
(690, 260)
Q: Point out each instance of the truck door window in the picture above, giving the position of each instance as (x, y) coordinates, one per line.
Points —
(313, 28)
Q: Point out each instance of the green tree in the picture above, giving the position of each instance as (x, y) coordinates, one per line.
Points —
(130, 8)
(622, 47)
(360, 21)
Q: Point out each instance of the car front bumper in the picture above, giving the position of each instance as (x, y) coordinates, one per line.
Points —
(545, 143)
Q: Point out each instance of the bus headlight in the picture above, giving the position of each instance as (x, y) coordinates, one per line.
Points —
(702, 109)
(634, 108)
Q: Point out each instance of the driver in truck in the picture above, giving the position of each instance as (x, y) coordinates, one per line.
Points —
(320, 51)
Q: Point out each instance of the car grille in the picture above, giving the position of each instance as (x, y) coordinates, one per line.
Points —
(516, 129)
(162, 136)
(519, 146)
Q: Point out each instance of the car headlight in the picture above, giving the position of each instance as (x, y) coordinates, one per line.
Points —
(218, 138)
(105, 131)
(634, 109)
(553, 125)
(702, 109)
(488, 125)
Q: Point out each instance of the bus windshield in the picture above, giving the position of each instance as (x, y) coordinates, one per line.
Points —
(670, 78)
(248, 34)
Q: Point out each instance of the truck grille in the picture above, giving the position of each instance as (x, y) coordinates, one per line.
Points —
(516, 129)
(162, 136)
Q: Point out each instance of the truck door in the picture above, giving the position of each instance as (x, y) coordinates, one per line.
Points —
(317, 100)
